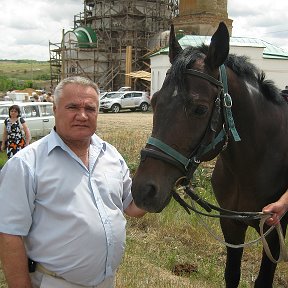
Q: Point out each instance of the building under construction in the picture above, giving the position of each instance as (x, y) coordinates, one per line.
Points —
(111, 40)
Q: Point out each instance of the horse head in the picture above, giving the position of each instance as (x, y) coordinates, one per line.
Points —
(186, 119)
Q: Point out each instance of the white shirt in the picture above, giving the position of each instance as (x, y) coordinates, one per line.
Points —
(71, 216)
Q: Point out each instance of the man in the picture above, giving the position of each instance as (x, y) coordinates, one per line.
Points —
(278, 208)
(62, 200)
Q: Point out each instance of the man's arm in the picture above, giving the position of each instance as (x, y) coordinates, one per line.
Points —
(133, 211)
(14, 261)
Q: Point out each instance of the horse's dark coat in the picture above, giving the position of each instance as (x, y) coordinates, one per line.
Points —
(249, 174)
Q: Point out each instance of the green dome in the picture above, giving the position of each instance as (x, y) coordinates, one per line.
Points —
(82, 37)
(86, 37)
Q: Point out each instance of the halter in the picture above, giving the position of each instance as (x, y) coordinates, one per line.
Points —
(190, 164)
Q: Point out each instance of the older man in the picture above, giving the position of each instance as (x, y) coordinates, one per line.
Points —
(62, 200)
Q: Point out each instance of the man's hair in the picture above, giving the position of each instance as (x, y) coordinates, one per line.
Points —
(73, 80)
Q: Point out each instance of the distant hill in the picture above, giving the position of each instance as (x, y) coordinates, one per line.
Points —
(25, 69)
(17, 74)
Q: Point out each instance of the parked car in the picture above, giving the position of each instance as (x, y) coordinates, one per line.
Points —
(39, 116)
(133, 100)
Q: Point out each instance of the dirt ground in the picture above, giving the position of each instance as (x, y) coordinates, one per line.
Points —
(130, 120)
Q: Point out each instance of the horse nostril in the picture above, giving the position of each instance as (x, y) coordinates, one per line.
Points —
(150, 191)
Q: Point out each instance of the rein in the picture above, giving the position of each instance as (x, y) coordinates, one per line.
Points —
(235, 215)
(225, 213)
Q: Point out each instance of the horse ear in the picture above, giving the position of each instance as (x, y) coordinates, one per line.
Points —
(219, 47)
(174, 46)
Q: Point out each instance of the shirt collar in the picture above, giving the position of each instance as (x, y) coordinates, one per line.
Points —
(54, 140)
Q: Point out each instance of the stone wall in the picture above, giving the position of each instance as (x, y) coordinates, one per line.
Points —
(201, 17)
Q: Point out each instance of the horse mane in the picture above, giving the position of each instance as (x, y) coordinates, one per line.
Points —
(240, 65)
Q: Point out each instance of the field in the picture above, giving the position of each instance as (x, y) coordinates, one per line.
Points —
(21, 74)
(24, 69)
(172, 249)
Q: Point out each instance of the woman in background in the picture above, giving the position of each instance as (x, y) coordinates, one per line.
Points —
(13, 137)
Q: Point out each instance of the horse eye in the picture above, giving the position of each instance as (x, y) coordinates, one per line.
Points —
(200, 110)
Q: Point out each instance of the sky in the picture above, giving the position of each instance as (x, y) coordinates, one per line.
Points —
(27, 26)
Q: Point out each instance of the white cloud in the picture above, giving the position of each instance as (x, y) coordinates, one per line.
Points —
(260, 19)
(27, 26)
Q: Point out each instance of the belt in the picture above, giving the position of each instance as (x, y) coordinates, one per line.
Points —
(42, 269)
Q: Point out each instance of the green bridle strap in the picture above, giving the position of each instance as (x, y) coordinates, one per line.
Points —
(227, 104)
(169, 150)
(218, 139)
(179, 157)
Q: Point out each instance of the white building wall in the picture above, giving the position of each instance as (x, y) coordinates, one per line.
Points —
(83, 61)
(275, 69)
(159, 66)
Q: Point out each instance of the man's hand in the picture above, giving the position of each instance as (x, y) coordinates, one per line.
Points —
(133, 211)
(278, 209)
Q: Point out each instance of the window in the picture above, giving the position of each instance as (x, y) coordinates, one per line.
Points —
(4, 113)
(46, 110)
(30, 111)
(128, 95)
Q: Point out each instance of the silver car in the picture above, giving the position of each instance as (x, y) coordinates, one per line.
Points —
(133, 100)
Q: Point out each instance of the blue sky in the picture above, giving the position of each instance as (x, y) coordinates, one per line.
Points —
(27, 26)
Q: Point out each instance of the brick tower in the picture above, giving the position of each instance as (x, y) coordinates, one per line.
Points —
(201, 17)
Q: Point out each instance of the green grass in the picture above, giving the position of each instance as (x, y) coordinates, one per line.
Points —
(21, 74)
(24, 69)
(3, 158)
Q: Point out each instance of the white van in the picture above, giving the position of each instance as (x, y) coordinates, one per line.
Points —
(38, 116)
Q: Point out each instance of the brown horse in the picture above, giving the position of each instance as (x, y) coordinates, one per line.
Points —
(215, 104)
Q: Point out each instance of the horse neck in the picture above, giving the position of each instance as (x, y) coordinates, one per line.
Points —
(262, 127)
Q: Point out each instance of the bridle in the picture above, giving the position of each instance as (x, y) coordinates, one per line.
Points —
(188, 165)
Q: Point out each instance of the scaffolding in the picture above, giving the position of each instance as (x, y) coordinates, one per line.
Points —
(126, 32)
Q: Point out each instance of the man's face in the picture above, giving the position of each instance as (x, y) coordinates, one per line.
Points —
(76, 112)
